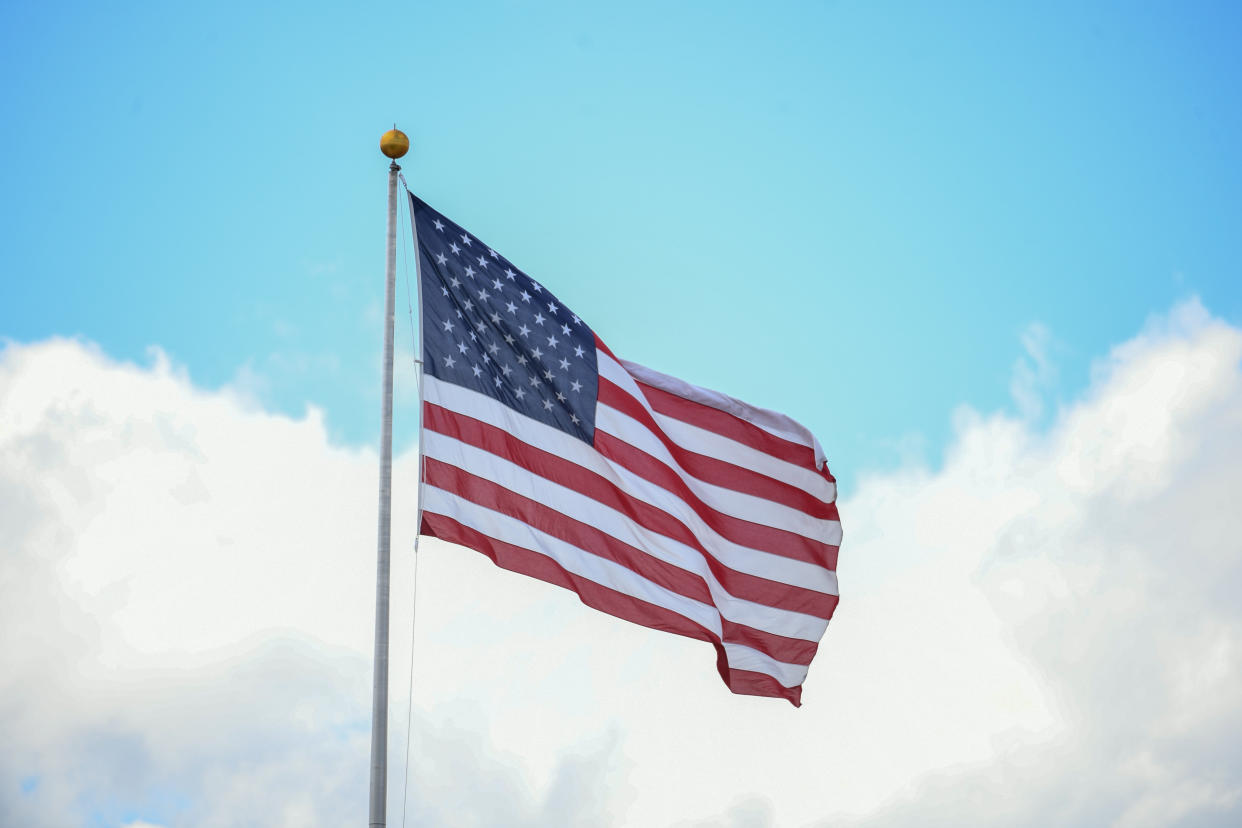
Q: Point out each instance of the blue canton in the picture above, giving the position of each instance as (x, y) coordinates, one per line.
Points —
(489, 327)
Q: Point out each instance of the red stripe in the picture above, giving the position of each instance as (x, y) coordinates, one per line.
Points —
(527, 562)
(559, 470)
(747, 533)
(712, 469)
(493, 496)
(727, 425)
(599, 344)
(723, 423)
(780, 647)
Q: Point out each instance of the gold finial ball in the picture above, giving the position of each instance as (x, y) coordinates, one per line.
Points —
(394, 144)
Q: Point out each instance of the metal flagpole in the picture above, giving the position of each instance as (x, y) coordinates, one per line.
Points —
(393, 144)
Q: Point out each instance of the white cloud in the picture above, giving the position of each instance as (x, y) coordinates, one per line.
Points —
(1114, 570)
(1044, 630)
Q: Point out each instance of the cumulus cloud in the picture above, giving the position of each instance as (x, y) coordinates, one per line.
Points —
(186, 594)
(1114, 569)
(1043, 630)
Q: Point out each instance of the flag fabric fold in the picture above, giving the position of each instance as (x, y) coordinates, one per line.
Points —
(659, 502)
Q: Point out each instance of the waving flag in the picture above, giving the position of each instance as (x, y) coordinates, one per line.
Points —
(654, 500)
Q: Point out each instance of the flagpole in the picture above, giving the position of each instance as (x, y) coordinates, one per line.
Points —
(393, 144)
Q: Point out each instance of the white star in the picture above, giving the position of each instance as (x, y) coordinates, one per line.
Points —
(448, 326)
(465, 239)
(522, 359)
(439, 225)
(496, 380)
(455, 282)
(521, 392)
(535, 285)
(483, 294)
(534, 381)
(449, 362)
(547, 375)
(539, 317)
(547, 405)
(506, 370)
(537, 354)
(495, 284)
(459, 316)
(473, 337)
(444, 290)
(577, 321)
(511, 308)
(486, 358)
(496, 318)
(470, 271)
(509, 340)
(552, 340)
(480, 326)
(455, 249)
(509, 274)
(573, 418)
(461, 347)
(552, 307)
(578, 351)
(482, 261)
(565, 330)
(493, 348)
(441, 258)
(492, 253)
(564, 365)
(476, 369)
(575, 386)
(525, 296)
(524, 331)
(560, 396)
(468, 305)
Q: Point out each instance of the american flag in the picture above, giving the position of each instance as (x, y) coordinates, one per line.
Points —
(654, 500)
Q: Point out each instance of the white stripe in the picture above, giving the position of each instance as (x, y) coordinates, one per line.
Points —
(772, 422)
(726, 501)
(704, 441)
(534, 433)
(605, 573)
(741, 657)
(578, 506)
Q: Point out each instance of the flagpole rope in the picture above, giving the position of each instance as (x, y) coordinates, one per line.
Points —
(409, 710)
(418, 365)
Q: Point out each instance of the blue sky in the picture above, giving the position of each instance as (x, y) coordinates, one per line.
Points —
(988, 252)
(848, 212)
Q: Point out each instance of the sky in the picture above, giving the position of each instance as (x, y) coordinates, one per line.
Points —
(988, 253)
